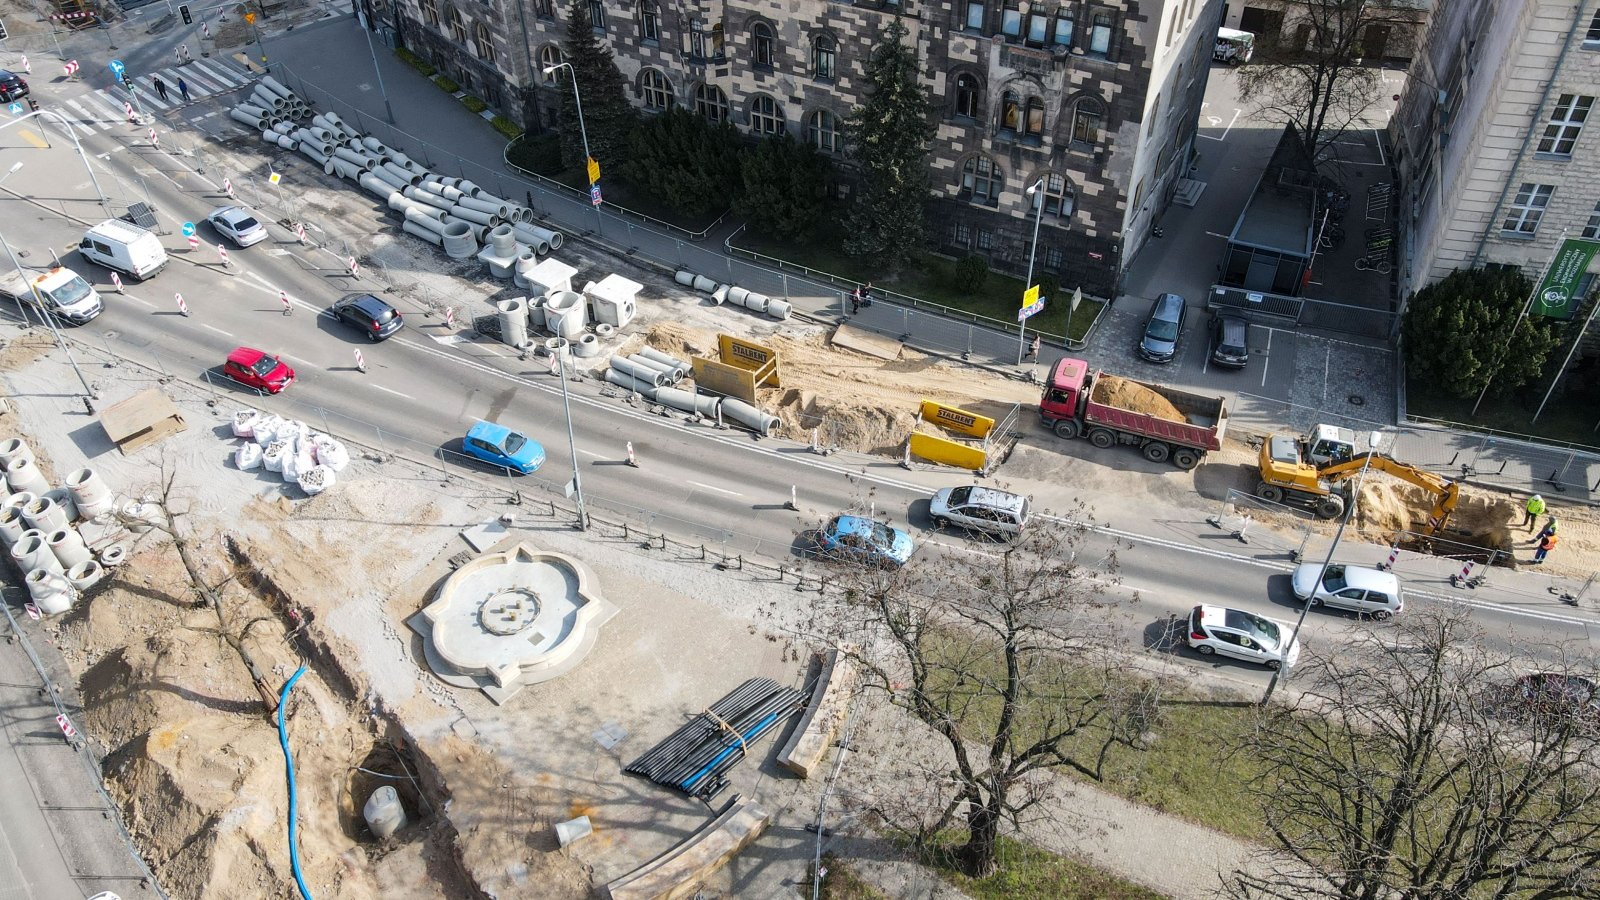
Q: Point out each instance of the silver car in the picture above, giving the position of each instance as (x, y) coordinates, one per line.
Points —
(238, 225)
(978, 508)
(1359, 588)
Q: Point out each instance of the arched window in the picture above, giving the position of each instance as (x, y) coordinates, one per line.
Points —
(458, 28)
(1058, 195)
(649, 21)
(430, 12)
(968, 96)
(824, 52)
(718, 37)
(766, 116)
(761, 45)
(1033, 123)
(1086, 117)
(549, 55)
(657, 91)
(982, 181)
(822, 131)
(711, 102)
(483, 42)
(1010, 111)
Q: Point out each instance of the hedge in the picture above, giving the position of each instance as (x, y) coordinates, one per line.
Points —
(506, 127)
(415, 62)
(474, 104)
(449, 87)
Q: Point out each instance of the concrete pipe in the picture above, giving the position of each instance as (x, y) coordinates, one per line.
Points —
(442, 189)
(737, 294)
(286, 142)
(401, 204)
(655, 377)
(553, 238)
(488, 220)
(113, 556)
(253, 111)
(50, 590)
(15, 448)
(251, 120)
(458, 240)
(267, 100)
(672, 362)
(355, 158)
(90, 492)
(84, 575)
(283, 127)
(63, 499)
(779, 309)
(492, 207)
(327, 167)
(424, 216)
(720, 295)
(756, 302)
(428, 197)
(467, 187)
(321, 121)
(416, 230)
(276, 86)
(476, 229)
(384, 812)
(407, 176)
(684, 277)
(532, 242)
(312, 154)
(513, 321)
(527, 260)
(503, 240)
(372, 184)
(68, 546)
(11, 525)
(628, 382)
(337, 122)
(749, 416)
(43, 513)
(401, 160)
(524, 215)
(346, 169)
(23, 475)
(536, 314)
(605, 331)
(31, 552)
(557, 346)
(394, 181)
(704, 285)
(587, 347)
(268, 136)
(687, 401)
(565, 314)
(667, 372)
(18, 500)
(375, 145)
(320, 133)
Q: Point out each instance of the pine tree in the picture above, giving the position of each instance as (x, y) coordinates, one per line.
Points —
(889, 137)
(685, 161)
(607, 115)
(785, 184)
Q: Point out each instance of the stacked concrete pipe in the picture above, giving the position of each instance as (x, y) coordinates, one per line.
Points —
(670, 373)
(629, 383)
(749, 416)
(640, 371)
(534, 235)
(689, 401)
(458, 240)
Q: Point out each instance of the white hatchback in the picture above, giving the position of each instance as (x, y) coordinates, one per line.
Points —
(1242, 635)
(1364, 590)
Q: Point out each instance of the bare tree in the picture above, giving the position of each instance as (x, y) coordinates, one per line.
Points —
(1009, 660)
(1413, 766)
(1317, 82)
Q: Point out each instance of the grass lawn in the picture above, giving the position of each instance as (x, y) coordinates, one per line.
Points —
(1027, 872)
(842, 883)
(1569, 417)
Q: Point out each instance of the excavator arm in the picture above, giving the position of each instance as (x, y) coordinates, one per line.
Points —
(1446, 493)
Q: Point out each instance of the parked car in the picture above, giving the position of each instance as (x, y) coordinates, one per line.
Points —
(238, 225)
(1230, 341)
(1164, 329)
(258, 369)
(504, 447)
(979, 508)
(369, 315)
(12, 86)
(1556, 693)
(1358, 588)
(1242, 635)
(860, 539)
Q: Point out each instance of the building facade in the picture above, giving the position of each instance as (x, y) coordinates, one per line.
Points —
(1283, 23)
(1094, 102)
(1494, 160)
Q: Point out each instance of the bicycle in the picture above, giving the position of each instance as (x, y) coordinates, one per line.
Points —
(1383, 244)
(1378, 232)
(1374, 263)
(1380, 190)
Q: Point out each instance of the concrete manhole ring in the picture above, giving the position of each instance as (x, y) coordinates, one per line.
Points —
(508, 611)
(1357, 400)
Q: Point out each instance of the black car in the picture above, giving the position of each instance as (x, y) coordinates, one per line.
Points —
(12, 87)
(1230, 341)
(372, 317)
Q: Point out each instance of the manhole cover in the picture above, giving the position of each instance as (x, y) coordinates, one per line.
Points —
(1357, 400)
(509, 611)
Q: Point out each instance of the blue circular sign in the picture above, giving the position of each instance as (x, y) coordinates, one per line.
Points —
(188, 229)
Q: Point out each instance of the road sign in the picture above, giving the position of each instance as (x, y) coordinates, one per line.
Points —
(117, 68)
(16, 109)
(594, 194)
(188, 229)
(594, 170)
(1030, 296)
(249, 18)
(274, 178)
(1028, 312)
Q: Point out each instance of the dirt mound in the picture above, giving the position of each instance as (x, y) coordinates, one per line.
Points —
(1388, 509)
(1125, 394)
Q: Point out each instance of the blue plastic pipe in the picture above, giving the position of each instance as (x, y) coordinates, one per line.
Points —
(705, 770)
(288, 762)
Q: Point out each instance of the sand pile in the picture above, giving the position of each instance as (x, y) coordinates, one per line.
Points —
(1388, 507)
(1124, 394)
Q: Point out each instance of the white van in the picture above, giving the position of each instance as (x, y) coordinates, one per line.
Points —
(126, 248)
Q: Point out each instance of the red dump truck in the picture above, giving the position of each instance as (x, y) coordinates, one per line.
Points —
(1078, 404)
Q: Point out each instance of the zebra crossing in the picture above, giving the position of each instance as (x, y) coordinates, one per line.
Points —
(106, 108)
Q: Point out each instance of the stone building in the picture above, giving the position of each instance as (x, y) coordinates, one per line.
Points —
(1096, 102)
(1283, 23)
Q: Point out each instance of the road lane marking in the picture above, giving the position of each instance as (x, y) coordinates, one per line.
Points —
(715, 488)
(960, 549)
(393, 391)
(216, 329)
(1236, 114)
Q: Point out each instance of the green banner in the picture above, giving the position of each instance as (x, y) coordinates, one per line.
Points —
(1558, 293)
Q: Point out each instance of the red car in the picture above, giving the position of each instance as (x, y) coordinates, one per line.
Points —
(258, 369)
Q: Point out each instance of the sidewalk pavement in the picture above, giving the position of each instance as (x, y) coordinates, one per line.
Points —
(330, 64)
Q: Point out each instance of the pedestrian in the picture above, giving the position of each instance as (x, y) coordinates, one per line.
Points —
(160, 86)
(1033, 349)
(1545, 546)
(855, 300)
(1549, 528)
(183, 90)
(1532, 510)
(866, 294)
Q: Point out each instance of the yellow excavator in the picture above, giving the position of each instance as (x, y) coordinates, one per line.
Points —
(1288, 477)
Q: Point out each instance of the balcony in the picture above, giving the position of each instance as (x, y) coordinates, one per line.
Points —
(1027, 59)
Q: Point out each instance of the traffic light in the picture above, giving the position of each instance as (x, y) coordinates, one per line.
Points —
(127, 81)
(184, 11)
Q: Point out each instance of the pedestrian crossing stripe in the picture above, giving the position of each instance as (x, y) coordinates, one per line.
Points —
(102, 109)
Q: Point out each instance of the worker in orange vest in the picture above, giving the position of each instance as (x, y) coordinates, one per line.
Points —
(1546, 544)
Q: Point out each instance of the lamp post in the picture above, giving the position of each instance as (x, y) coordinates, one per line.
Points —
(56, 117)
(1034, 191)
(572, 446)
(583, 132)
(386, 107)
(1373, 440)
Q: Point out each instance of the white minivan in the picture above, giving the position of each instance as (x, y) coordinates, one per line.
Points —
(125, 248)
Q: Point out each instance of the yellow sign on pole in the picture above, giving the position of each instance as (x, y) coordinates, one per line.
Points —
(274, 178)
(249, 18)
(1030, 296)
(594, 170)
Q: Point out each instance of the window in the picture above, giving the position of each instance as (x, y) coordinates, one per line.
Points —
(458, 28)
(824, 51)
(1010, 111)
(1063, 29)
(1054, 258)
(711, 102)
(982, 181)
(761, 45)
(649, 22)
(430, 12)
(967, 96)
(1527, 209)
(822, 131)
(1011, 20)
(597, 14)
(717, 50)
(697, 41)
(985, 240)
(1100, 34)
(657, 92)
(961, 234)
(1591, 40)
(975, 15)
(1565, 123)
(1086, 123)
(549, 55)
(1057, 194)
(1038, 29)
(1033, 124)
(1592, 230)
(483, 42)
(766, 116)
(544, 9)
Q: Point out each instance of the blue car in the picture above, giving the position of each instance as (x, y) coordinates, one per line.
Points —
(864, 540)
(500, 445)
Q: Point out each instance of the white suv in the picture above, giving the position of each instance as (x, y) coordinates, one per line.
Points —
(979, 508)
(1243, 635)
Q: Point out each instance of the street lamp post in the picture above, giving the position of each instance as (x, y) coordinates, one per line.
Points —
(1038, 198)
(386, 107)
(1373, 441)
(572, 446)
(583, 132)
(52, 114)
